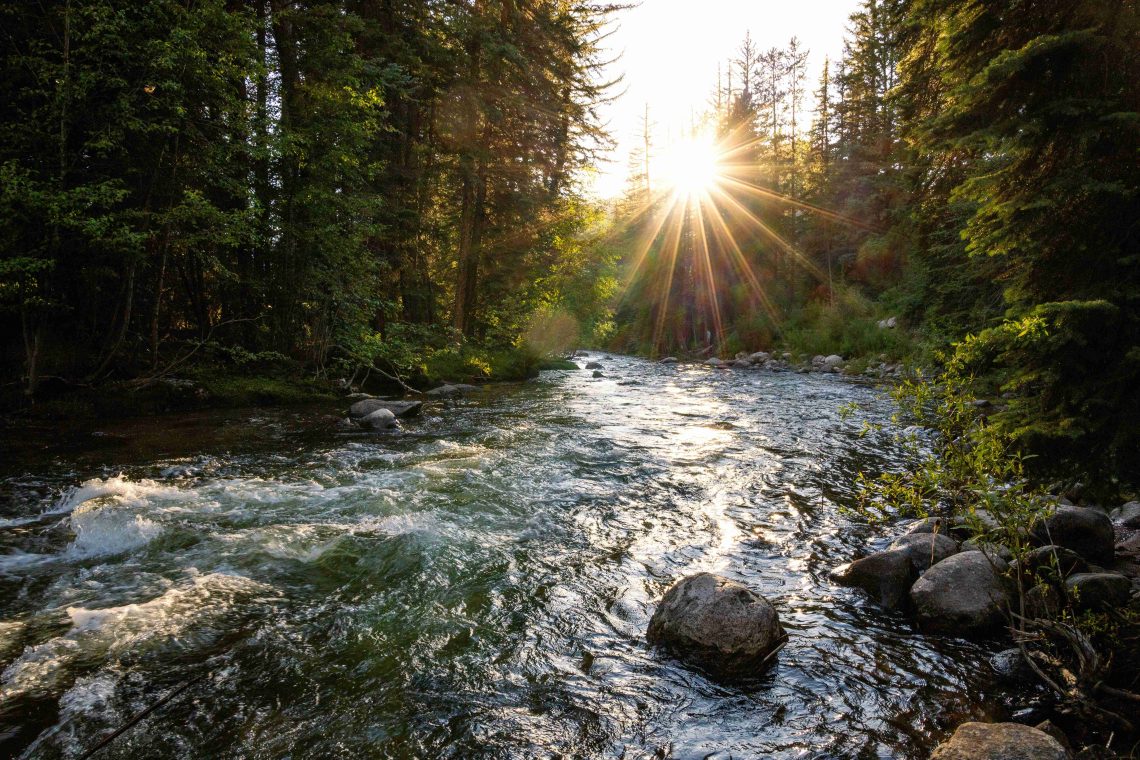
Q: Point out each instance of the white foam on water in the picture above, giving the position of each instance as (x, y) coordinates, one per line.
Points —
(90, 695)
(116, 489)
(106, 633)
(104, 531)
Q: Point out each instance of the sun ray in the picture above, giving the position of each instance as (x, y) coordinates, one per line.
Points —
(726, 238)
(710, 285)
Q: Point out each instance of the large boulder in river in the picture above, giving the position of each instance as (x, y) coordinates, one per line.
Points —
(593, 365)
(964, 594)
(1086, 531)
(718, 623)
(367, 406)
(925, 549)
(885, 576)
(1000, 741)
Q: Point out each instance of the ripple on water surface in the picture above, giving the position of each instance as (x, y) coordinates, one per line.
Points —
(475, 586)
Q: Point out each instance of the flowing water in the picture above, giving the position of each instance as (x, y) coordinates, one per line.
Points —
(477, 585)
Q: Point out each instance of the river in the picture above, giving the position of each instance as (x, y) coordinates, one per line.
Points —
(475, 586)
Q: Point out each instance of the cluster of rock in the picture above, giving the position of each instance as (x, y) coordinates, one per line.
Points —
(889, 323)
(786, 362)
(955, 582)
(372, 413)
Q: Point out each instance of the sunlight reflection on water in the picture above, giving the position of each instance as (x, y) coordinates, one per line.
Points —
(475, 586)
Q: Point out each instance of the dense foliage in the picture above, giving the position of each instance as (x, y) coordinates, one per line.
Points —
(323, 182)
(970, 169)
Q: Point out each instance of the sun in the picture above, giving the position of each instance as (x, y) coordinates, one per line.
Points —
(693, 166)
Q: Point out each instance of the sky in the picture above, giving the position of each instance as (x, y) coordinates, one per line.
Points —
(669, 53)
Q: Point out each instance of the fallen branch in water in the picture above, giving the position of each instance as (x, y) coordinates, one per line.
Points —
(137, 717)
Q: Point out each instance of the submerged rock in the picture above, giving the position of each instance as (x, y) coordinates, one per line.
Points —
(964, 594)
(885, 576)
(925, 549)
(1000, 741)
(718, 623)
(1086, 531)
(366, 407)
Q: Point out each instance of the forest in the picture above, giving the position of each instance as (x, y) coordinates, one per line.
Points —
(323, 189)
(321, 184)
(968, 169)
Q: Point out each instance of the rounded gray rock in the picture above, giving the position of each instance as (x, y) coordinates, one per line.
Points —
(717, 622)
(367, 406)
(926, 549)
(1088, 532)
(885, 576)
(381, 419)
(1098, 590)
(964, 594)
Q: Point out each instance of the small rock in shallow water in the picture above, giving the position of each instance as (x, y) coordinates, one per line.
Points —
(886, 576)
(598, 373)
(1000, 741)
(451, 390)
(718, 623)
(1010, 664)
(399, 408)
(381, 419)
(927, 525)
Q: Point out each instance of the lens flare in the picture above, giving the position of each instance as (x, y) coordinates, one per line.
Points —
(693, 166)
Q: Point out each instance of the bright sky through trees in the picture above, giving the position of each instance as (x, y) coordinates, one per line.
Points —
(669, 55)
